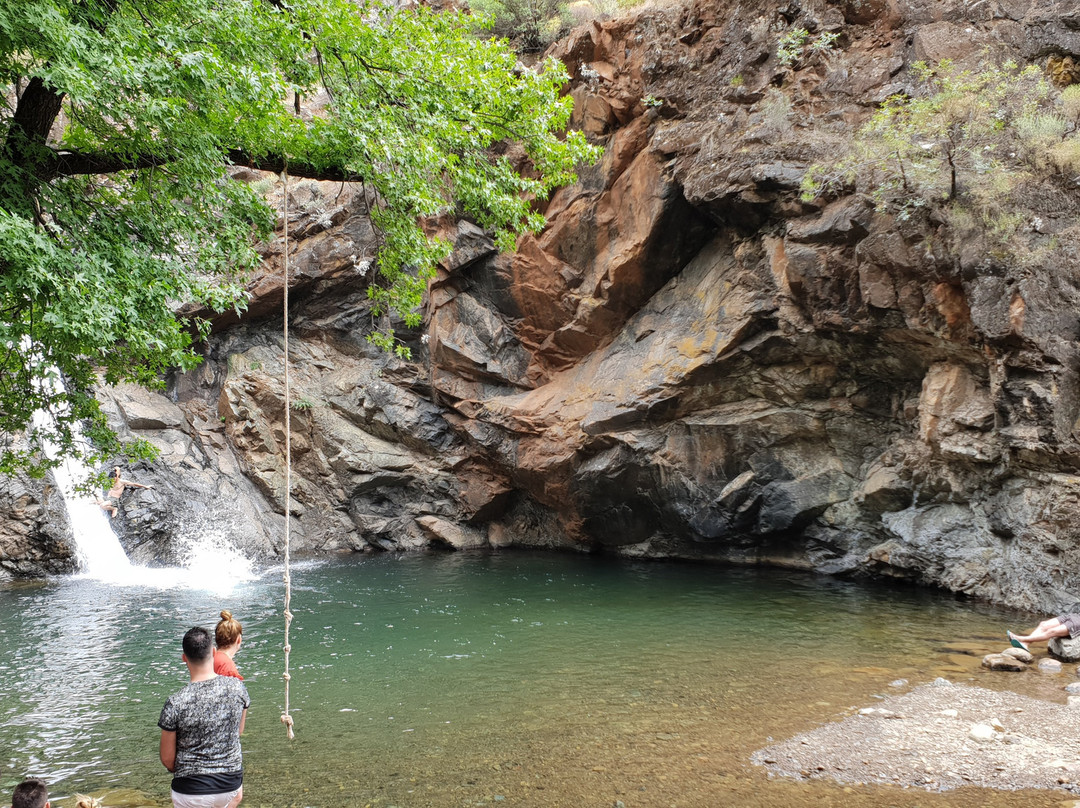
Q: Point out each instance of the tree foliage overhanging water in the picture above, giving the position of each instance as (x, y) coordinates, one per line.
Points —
(120, 123)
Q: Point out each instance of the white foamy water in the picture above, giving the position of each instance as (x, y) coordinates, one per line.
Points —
(210, 563)
(97, 547)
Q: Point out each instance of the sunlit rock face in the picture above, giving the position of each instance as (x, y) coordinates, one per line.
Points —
(690, 360)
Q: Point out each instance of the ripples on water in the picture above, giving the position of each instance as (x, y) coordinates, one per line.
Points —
(461, 680)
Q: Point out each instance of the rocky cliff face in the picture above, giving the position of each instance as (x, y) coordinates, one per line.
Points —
(690, 361)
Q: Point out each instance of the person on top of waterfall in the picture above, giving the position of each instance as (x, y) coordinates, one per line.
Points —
(111, 503)
(1064, 625)
(227, 637)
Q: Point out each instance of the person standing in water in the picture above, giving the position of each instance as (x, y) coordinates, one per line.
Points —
(30, 793)
(227, 636)
(200, 731)
(111, 503)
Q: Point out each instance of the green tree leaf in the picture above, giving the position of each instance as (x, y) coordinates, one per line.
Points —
(122, 120)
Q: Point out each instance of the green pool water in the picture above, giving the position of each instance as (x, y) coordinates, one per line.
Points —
(511, 679)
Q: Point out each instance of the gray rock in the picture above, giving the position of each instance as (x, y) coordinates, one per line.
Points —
(1064, 649)
(458, 537)
(35, 533)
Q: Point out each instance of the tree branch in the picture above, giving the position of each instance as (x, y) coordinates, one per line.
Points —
(70, 163)
(34, 116)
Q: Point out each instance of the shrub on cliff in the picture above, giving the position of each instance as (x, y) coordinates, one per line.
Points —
(120, 121)
(971, 144)
(531, 25)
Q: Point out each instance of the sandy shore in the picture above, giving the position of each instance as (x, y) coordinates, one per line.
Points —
(941, 736)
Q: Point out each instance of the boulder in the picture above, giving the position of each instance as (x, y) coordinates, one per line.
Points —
(456, 536)
(1064, 649)
(35, 531)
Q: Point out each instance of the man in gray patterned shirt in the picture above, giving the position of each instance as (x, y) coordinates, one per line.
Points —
(200, 731)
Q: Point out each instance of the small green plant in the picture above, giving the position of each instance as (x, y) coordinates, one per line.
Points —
(262, 187)
(796, 44)
(303, 404)
(824, 43)
(255, 364)
(737, 80)
(790, 47)
(652, 102)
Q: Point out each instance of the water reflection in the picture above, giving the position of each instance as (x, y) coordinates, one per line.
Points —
(64, 638)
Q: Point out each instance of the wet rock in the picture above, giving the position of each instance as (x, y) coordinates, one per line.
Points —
(1002, 662)
(1019, 653)
(35, 532)
(1049, 666)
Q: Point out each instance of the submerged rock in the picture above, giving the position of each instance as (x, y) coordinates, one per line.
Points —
(1003, 662)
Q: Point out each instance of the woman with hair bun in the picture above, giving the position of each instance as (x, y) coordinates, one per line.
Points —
(227, 637)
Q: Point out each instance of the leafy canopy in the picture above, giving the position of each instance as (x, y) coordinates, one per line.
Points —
(118, 124)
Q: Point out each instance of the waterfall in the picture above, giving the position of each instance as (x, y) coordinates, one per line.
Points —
(98, 549)
(96, 545)
(211, 562)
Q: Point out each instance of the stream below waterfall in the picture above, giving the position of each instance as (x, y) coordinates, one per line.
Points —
(506, 679)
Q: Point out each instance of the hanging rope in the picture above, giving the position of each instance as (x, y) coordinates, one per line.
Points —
(286, 718)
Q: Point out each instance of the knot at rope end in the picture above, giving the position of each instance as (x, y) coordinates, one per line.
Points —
(286, 719)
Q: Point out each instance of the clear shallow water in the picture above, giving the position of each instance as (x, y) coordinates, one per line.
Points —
(507, 679)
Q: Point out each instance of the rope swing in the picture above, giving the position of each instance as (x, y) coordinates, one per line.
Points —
(286, 718)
